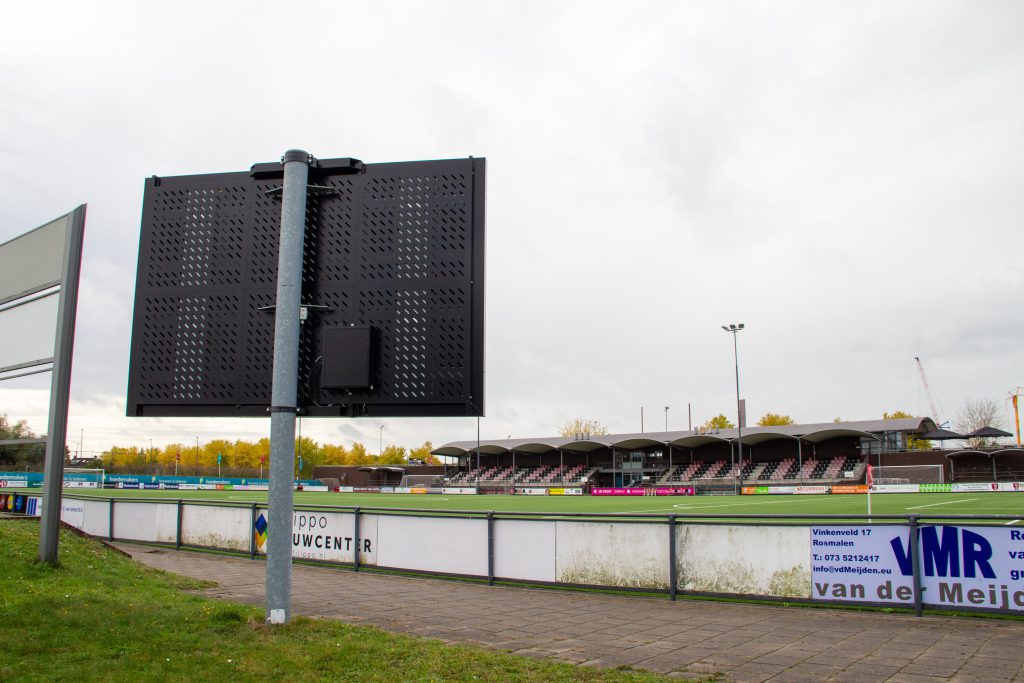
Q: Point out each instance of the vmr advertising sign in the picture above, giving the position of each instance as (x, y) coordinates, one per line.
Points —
(980, 567)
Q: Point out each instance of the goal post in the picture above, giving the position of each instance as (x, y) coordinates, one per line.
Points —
(84, 477)
(909, 474)
(422, 481)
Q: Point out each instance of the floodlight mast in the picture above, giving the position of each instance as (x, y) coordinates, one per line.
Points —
(734, 329)
(284, 391)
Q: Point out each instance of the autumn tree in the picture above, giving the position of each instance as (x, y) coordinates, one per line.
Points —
(359, 455)
(976, 414)
(423, 453)
(774, 420)
(335, 454)
(719, 421)
(392, 455)
(582, 428)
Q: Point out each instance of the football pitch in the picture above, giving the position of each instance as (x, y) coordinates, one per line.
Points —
(926, 505)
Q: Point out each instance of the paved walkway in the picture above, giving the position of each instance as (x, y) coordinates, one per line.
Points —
(682, 639)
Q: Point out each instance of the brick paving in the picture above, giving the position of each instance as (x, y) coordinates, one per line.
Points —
(683, 639)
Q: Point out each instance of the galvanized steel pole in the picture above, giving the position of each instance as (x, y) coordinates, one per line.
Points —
(284, 392)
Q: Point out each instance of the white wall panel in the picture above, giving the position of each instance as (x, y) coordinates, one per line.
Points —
(745, 560)
(135, 522)
(524, 550)
(613, 554)
(436, 544)
(96, 518)
(215, 527)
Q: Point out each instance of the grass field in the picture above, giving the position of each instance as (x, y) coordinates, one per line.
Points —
(101, 617)
(923, 504)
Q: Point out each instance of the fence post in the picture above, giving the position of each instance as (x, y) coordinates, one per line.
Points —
(490, 547)
(915, 563)
(110, 522)
(252, 533)
(177, 533)
(673, 580)
(355, 533)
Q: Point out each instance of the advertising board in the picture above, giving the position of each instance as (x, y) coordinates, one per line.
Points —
(980, 567)
(675, 491)
(616, 491)
(13, 483)
(846, 488)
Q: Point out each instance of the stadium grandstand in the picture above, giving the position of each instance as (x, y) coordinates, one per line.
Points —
(809, 454)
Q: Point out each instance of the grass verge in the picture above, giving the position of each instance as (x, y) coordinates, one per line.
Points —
(101, 617)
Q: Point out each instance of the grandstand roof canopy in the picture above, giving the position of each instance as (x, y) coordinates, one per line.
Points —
(379, 468)
(809, 433)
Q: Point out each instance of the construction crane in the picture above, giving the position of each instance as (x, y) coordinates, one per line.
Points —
(1016, 415)
(928, 391)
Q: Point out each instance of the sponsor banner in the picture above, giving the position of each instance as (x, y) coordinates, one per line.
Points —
(250, 487)
(417, 490)
(858, 488)
(531, 491)
(72, 512)
(574, 492)
(457, 491)
(803, 490)
(1011, 486)
(188, 487)
(366, 489)
(979, 566)
(402, 489)
(82, 484)
(314, 488)
(556, 492)
(859, 564)
(323, 536)
(20, 504)
(13, 483)
(128, 485)
(936, 488)
(896, 488)
(616, 492)
(345, 489)
(974, 487)
(387, 489)
(755, 490)
(151, 485)
(675, 491)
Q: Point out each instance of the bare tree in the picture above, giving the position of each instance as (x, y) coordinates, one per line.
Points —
(976, 414)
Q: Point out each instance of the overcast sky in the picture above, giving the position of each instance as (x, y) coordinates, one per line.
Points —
(842, 177)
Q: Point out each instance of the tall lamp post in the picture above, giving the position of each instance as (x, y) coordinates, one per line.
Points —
(734, 329)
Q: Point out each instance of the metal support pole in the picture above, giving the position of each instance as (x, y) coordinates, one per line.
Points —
(739, 411)
(252, 533)
(177, 531)
(110, 521)
(60, 388)
(490, 547)
(284, 391)
(355, 536)
(915, 560)
(672, 578)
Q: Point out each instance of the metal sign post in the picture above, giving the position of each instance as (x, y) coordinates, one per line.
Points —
(60, 389)
(284, 394)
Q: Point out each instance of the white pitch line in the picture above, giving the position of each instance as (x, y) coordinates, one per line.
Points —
(1012, 521)
(948, 502)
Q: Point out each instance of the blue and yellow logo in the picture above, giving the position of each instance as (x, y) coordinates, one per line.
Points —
(260, 531)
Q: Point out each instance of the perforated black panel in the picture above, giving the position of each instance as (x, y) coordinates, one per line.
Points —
(398, 247)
